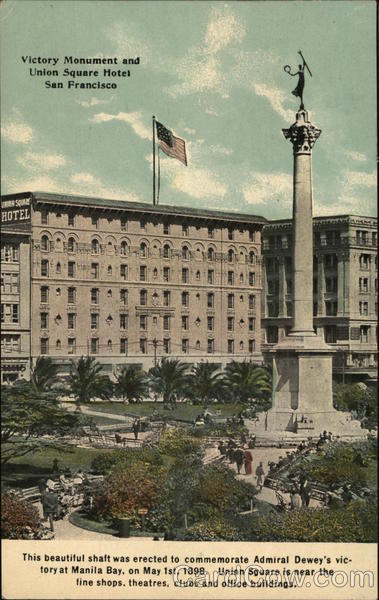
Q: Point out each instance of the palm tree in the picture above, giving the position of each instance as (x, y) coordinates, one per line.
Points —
(87, 382)
(131, 384)
(44, 374)
(205, 383)
(169, 379)
(248, 382)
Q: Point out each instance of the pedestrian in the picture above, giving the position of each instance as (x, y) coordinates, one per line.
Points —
(50, 507)
(221, 448)
(295, 499)
(239, 458)
(230, 454)
(304, 491)
(136, 428)
(248, 462)
(260, 475)
(252, 440)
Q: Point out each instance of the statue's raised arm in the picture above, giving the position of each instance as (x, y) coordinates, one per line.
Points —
(298, 91)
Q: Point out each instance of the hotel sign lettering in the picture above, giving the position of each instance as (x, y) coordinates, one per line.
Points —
(15, 211)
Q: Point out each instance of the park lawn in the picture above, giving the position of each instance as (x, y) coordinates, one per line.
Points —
(100, 420)
(182, 410)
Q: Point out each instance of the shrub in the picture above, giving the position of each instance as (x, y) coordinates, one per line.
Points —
(19, 520)
(105, 462)
(176, 442)
(214, 528)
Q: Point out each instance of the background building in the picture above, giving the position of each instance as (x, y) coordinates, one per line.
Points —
(131, 282)
(345, 286)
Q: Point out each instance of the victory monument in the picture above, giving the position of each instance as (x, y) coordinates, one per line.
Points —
(302, 399)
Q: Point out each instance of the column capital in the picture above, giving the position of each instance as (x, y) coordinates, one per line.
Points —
(302, 134)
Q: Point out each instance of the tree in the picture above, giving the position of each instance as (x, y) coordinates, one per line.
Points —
(359, 400)
(205, 383)
(26, 415)
(44, 374)
(131, 384)
(248, 383)
(87, 382)
(169, 379)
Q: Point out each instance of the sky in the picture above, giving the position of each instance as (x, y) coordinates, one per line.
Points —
(212, 72)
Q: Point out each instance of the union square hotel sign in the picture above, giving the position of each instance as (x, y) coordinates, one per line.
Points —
(15, 211)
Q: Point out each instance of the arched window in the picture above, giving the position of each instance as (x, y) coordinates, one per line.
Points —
(197, 345)
(143, 297)
(58, 244)
(109, 344)
(95, 247)
(211, 254)
(124, 248)
(155, 272)
(59, 268)
(230, 255)
(44, 242)
(166, 251)
(251, 257)
(109, 270)
(71, 244)
(58, 345)
(143, 249)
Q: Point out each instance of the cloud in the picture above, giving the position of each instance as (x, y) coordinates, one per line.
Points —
(93, 102)
(43, 161)
(223, 29)
(275, 97)
(40, 183)
(359, 178)
(217, 149)
(134, 119)
(358, 156)
(19, 133)
(264, 188)
(88, 184)
(129, 44)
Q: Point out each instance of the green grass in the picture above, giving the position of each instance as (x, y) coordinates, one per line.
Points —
(105, 420)
(182, 410)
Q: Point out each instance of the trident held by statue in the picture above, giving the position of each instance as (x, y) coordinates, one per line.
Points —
(298, 91)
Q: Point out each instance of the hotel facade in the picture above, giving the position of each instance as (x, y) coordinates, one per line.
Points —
(126, 283)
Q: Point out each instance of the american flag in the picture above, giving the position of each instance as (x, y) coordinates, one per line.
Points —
(170, 144)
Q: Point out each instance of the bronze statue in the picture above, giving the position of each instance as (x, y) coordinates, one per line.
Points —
(298, 91)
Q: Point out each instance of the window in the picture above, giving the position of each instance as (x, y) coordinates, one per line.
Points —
(71, 320)
(230, 233)
(251, 278)
(211, 232)
(124, 272)
(330, 332)
(330, 261)
(210, 300)
(330, 309)
(71, 220)
(44, 268)
(185, 253)
(123, 248)
(185, 275)
(44, 294)
(166, 322)
(9, 253)
(109, 345)
(10, 283)
(251, 257)
(166, 228)
(143, 322)
(210, 276)
(211, 254)
(315, 309)
(251, 324)
(71, 244)
(185, 230)
(210, 323)
(331, 284)
(166, 251)
(289, 309)
(230, 278)
(44, 320)
(251, 301)
(230, 323)
(44, 243)
(71, 346)
(252, 235)
(197, 345)
(185, 299)
(166, 298)
(230, 300)
(94, 321)
(95, 247)
(142, 224)
(143, 273)
(123, 224)
(210, 346)
(58, 345)
(198, 275)
(155, 273)
(44, 346)
(58, 268)
(363, 284)
(143, 297)
(94, 345)
(94, 296)
(109, 271)
(185, 346)
(363, 308)
(95, 270)
(251, 346)
(71, 295)
(143, 250)
(143, 345)
(185, 322)
(230, 346)
(124, 297)
(71, 269)
(123, 321)
(9, 313)
(123, 346)
(166, 345)
(166, 273)
(365, 334)
(95, 221)
(230, 255)
(289, 285)
(272, 335)
(44, 217)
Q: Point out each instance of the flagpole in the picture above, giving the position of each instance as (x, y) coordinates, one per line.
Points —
(154, 161)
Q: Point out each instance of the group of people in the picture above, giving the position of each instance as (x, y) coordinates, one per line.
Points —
(242, 457)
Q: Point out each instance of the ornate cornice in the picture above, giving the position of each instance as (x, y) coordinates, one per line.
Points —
(302, 134)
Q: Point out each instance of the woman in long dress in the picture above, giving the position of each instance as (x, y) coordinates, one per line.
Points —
(248, 462)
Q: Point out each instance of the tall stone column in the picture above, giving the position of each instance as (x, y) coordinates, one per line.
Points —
(303, 135)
